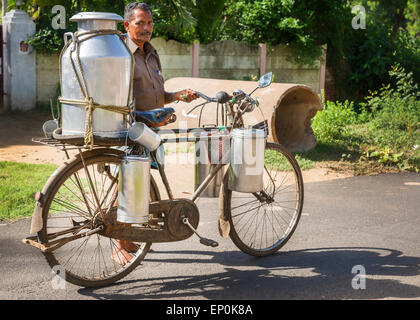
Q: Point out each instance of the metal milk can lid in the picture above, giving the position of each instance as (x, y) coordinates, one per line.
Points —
(96, 16)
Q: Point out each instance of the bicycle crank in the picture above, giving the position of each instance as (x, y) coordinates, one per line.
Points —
(164, 226)
(205, 241)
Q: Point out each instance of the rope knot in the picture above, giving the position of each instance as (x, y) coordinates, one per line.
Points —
(90, 107)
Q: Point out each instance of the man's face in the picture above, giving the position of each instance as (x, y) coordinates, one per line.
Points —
(140, 26)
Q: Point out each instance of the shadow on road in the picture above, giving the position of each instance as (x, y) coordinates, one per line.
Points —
(321, 273)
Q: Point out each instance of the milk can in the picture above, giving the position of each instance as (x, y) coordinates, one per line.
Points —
(211, 149)
(134, 189)
(106, 67)
(247, 160)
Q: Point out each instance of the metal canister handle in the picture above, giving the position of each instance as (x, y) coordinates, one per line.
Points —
(73, 38)
(69, 34)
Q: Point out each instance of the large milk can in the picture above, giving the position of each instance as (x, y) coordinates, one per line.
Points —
(106, 67)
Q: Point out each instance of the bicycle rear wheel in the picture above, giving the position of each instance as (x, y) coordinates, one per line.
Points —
(261, 223)
(71, 207)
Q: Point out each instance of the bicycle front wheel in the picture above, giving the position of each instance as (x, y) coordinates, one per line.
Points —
(77, 194)
(262, 222)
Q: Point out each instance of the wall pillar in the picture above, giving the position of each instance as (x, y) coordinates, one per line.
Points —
(19, 62)
(195, 60)
(263, 58)
(322, 69)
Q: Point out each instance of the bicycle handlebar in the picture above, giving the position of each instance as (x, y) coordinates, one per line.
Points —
(221, 97)
(202, 95)
(224, 97)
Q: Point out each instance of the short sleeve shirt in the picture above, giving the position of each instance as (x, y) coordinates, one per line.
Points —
(148, 82)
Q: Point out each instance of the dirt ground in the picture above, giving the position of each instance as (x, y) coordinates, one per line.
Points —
(18, 129)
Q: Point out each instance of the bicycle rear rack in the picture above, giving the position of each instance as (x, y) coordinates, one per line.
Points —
(55, 143)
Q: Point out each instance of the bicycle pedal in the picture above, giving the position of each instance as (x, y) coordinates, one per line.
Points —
(208, 242)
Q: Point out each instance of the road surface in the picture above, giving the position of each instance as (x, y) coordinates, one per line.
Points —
(349, 226)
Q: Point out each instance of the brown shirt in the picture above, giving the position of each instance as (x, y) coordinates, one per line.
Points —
(148, 84)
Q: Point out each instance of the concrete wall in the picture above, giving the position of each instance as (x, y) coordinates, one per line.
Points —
(175, 57)
(228, 60)
(280, 62)
(47, 77)
(219, 60)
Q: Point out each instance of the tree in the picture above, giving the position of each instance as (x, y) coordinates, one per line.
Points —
(209, 15)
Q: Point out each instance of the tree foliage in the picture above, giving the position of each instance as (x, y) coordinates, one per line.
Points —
(358, 58)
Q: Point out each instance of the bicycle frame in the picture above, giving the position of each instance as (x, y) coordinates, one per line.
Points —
(214, 168)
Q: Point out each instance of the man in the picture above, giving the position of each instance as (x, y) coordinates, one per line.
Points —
(148, 83)
(148, 86)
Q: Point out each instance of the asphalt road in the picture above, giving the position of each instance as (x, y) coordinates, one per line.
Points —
(370, 223)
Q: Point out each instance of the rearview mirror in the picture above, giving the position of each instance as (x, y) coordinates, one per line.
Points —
(265, 80)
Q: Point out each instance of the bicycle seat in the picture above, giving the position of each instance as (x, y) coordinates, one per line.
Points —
(156, 117)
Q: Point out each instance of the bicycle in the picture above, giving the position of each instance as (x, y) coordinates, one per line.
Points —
(75, 212)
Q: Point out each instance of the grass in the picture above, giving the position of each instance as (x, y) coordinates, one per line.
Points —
(18, 184)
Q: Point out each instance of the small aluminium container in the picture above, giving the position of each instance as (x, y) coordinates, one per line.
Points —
(247, 160)
(134, 190)
(143, 135)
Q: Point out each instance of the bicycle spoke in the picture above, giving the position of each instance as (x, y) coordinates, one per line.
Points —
(72, 207)
(82, 192)
(244, 204)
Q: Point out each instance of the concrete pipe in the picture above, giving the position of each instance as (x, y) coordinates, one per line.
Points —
(287, 107)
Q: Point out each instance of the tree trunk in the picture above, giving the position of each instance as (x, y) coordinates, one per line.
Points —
(399, 15)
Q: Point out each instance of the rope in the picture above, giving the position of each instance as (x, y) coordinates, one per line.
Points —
(90, 106)
(88, 101)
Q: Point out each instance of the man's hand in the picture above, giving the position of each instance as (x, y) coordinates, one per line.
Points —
(186, 95)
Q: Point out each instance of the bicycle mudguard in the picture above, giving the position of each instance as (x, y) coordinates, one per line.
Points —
(36, 222)
(223, 222)
(224, 226)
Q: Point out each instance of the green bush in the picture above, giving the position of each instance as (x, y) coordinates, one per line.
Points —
(385, 132)
(396, 115)
(46, 40)
(331, 125)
